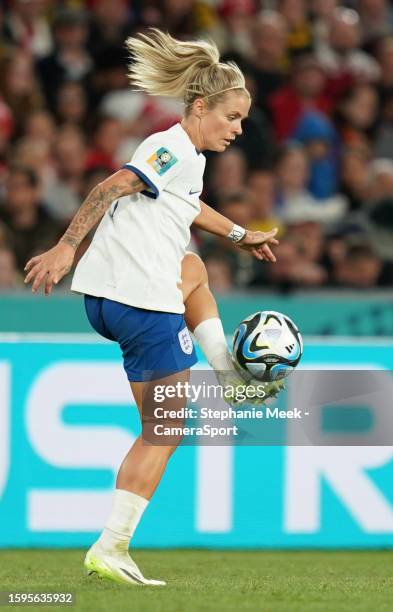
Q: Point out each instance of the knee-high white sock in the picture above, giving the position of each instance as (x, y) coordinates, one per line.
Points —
(127, 510)
(210, 336)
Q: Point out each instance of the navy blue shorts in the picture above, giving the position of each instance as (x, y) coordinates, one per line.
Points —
(154, 344)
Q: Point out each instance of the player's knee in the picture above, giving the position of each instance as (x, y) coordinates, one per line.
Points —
(193, 268)
(192, 262)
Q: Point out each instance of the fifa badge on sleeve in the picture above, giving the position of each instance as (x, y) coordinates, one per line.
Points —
(162, 160)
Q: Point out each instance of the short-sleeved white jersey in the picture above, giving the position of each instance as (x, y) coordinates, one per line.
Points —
(136, 253)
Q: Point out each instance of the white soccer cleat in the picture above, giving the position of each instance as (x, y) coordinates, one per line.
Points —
(119, 568)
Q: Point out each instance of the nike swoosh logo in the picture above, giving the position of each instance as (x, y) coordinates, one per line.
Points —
(192, 192)
(111, 213)
(132, 575)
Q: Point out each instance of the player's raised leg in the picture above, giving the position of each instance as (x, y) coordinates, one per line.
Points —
(202, 318)
(201, 313)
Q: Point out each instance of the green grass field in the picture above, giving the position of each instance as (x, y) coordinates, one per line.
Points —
(213, 580)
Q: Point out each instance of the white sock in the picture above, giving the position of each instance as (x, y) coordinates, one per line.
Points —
(127, 510)
(211, 338)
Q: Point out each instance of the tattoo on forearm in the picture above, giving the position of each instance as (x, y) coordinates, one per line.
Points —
(93, 208)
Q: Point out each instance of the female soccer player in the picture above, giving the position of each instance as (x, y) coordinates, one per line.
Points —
(131, 273)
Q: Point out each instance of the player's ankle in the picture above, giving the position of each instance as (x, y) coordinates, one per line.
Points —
(112, 543)
(222, 361)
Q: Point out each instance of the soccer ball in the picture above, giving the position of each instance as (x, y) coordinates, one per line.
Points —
(267, 346)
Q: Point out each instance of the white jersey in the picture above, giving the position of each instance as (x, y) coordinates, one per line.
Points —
(136, 253)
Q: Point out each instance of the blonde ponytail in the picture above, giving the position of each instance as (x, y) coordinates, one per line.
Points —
(164, 66)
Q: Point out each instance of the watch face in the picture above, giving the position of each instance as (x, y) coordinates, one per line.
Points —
(237, 234)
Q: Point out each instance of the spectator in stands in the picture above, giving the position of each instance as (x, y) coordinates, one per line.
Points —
(227, 174)
(306, 91)
(342, 59)
(294, 203)
(292, 175)
(384, 133)
(70, 60)
(385, 59)
(379, 212)
(4, 236)
(110, 24)
(239, 205)
(40, 125)
(380, 231)
(355, 178)
(116, 98)
(381, 180)
(308, 237)
(37, 154)
(335, 249)
(321, 14)
(62, 195)
(71, 104)
(219, 273)
(31, 228)
(88, 100)
(110, 74)
(6, 130)
(360, 268)
(19, 87)
(300, 34)
(357, 113)
(268, 36)
(36, 148)
(291, 270)
(188, 18)
(26, 27)
(376, 19)
(91, 178)
(237, 17)
(3, 44)
(320, 140)
(107, 139)
(383, 144)
(10, 278)
(262, 186)
(281, 276)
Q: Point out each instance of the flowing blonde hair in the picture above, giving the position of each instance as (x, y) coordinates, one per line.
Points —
(164, 66)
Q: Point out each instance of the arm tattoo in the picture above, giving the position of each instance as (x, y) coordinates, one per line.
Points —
(94, 207)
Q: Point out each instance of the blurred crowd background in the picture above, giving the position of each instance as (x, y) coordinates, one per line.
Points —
(315, 158)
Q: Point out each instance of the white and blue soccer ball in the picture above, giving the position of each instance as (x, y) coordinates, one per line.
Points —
(267, 346)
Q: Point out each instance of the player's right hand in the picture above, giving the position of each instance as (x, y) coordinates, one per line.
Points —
(50, 267)
(259, 243)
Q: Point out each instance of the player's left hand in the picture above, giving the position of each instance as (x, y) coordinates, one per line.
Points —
(259, 243)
